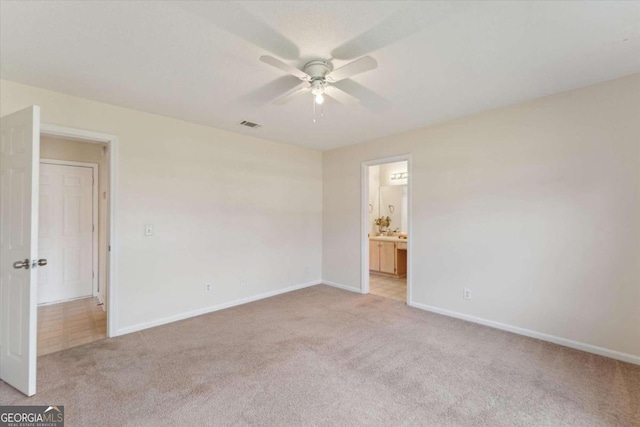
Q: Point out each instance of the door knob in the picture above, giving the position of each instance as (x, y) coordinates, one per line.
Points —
(21, 264)
(38, 263)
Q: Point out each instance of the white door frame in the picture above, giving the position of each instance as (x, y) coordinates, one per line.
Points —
(94, 215)
(366, 226)
(112, 254)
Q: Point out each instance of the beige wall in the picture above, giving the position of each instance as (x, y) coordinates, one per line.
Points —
(535, 208)
(226, 208)
(61, 149)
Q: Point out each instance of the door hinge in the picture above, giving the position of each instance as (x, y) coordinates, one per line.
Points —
(93, 227)
(93, 274)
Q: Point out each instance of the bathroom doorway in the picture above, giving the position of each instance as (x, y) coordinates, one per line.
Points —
(386, 228)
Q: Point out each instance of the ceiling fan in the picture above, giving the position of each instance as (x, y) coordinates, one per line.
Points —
(318, 77)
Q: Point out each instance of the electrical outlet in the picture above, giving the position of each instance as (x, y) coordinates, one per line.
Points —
(207, 287)
(466, 293)
(307, 270)
(243, 282)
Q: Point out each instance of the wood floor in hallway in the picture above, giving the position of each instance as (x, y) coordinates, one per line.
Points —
(70, 324)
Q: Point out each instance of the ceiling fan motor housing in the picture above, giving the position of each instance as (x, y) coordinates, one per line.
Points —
(318, 68)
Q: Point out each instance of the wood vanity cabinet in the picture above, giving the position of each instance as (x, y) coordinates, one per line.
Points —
(374, 255)
(387, 258)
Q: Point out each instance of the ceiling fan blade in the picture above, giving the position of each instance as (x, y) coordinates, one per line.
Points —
(274, 62)
(358, 66)
(341, 96)
(368, 98)
(237, 20)
(266, 93)
(291, 95)
(410, 18)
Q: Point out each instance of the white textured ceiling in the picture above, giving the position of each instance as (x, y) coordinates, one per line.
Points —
(199, 61)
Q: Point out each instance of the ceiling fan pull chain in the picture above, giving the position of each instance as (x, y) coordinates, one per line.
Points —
(314, 110)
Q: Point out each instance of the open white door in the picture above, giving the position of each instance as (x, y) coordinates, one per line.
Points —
(19, 164)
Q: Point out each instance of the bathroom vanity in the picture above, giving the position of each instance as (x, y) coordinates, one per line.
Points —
(388, 256)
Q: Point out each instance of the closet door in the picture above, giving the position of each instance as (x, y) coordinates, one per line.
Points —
(66, 232)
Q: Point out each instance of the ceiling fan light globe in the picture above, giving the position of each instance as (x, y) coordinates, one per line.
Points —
(319, 99)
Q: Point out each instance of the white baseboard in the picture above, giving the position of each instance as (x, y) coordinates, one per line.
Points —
(42, 304)
(205, 310)
(341, 286)
(625, 357)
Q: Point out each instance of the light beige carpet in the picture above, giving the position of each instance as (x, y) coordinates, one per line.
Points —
(322, 356)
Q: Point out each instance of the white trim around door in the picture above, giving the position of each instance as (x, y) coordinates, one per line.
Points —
(366, 227)
(95, 209)
(112, 255)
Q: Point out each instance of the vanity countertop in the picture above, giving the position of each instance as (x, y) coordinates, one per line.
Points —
(387, 238)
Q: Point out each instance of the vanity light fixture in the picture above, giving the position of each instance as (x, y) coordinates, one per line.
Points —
(400, 175)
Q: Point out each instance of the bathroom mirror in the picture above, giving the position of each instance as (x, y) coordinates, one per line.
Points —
(388, 195)
(393, 203)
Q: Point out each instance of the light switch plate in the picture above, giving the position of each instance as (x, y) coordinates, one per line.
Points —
(148, 230)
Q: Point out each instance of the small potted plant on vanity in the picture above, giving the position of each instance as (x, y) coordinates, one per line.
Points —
(383, 223)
